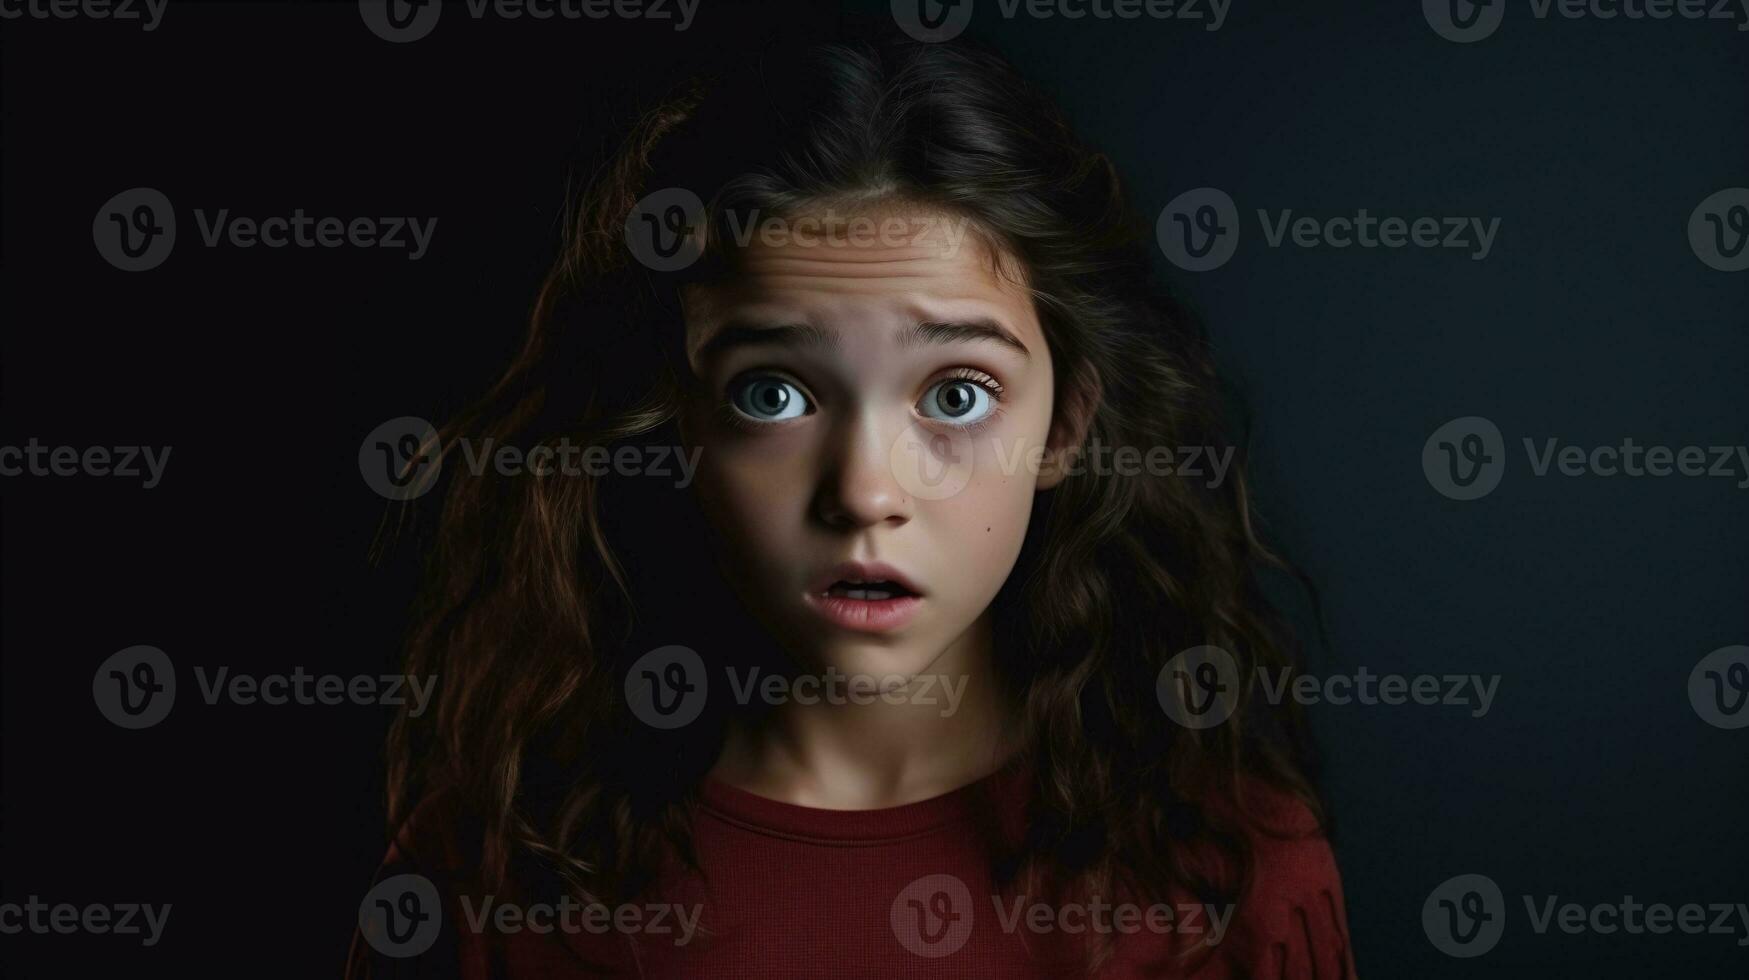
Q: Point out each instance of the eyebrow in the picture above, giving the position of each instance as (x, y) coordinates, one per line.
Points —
(736, 334)
(963, 332)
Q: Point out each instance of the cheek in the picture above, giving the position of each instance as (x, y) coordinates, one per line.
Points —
(986, 522)
(981, 528)
(741, 487)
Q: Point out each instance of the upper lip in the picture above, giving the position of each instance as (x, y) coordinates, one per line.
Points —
(862, 571)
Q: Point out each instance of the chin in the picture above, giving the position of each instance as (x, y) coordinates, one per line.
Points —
(876, 659)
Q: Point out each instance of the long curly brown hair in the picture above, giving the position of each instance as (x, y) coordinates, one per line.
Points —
(541, 591)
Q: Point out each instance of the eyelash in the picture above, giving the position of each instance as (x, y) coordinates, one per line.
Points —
(739, 420)
(985, 380)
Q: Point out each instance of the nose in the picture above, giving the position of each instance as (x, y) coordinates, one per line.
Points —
(858, 488)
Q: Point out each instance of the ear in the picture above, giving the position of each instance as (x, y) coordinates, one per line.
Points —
(1072, 416)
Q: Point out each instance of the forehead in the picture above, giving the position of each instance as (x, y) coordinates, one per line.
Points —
(849, 272)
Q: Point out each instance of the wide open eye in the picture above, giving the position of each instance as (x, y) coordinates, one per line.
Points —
(957, 400)
(767, 398)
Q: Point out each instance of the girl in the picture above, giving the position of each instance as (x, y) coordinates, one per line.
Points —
(933, 666)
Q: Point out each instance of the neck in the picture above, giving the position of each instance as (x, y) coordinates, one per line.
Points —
(948, 726)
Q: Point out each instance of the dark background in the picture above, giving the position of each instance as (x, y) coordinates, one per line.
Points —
(1592, 320)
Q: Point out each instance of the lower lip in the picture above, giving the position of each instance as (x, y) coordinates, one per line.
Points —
(867, 615)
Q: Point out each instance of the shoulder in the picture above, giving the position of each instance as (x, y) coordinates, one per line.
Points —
(1292, 920)
(1286, 919)
(408, 924)
(432, 912)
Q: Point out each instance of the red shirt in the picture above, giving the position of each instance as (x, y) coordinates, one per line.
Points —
(903, 892)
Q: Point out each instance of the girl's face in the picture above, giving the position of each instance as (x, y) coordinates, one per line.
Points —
(873, 404)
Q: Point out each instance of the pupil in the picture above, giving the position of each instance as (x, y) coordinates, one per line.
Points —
(773, 398)
(956, 399)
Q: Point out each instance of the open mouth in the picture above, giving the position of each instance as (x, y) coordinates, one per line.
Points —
(866, 597)
(875, 591)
